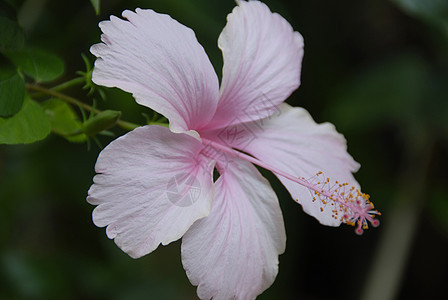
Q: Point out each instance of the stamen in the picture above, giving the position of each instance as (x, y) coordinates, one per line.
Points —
(348, 204)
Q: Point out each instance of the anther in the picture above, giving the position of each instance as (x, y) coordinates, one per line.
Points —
(356, 208)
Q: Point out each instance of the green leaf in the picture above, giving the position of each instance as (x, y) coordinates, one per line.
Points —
(27, 126)
(38, 64)
(96, 6)
(63, 120)
(12, 92)
(11, 35)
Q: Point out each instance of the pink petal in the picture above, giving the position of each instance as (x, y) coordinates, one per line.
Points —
(291, 141)
(262, 62)
(233, 253)
(161, 63)
(152, 185)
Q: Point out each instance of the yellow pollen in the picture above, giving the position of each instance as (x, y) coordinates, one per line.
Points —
(348, 204)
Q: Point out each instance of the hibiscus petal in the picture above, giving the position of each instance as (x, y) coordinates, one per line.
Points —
(262, 62)
(152, 185)
(233, 253)
(291, 141)
(161, 63)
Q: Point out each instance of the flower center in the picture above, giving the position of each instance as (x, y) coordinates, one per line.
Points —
(347, 204)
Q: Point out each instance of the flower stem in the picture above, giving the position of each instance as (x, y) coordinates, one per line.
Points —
(62, 86)
(67, 84)
(54, 93)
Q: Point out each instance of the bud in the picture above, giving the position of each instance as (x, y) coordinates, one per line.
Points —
(102, 121)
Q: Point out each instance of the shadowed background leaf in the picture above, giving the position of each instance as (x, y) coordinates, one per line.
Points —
(63, 119)
(12, 91)
(11, 35)
(40, 65)
(27, 126)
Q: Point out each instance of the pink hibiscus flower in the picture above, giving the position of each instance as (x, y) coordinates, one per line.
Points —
(155, 185)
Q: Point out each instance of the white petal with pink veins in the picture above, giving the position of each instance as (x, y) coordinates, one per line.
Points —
(233, 253)
(161, 63)
(262, 63)
(152, 186)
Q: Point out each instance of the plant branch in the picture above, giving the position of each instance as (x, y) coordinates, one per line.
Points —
(70, 83)
(62, 86)
(54, 93)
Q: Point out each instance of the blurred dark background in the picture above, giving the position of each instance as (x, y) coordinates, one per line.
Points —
(377, 69)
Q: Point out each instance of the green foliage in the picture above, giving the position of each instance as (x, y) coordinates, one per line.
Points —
(12, 92)
(40, 65)
(49, 248)
(27, 126)
(388, 91)
(87, 76)
(96, 6)
(11, 35)
(438, 207)
(433, 11)
(63, 120)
